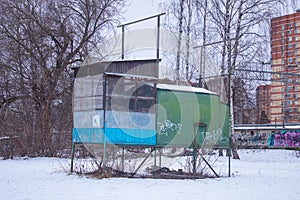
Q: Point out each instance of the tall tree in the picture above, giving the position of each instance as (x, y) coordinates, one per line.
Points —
(44, 39)
(179, 40)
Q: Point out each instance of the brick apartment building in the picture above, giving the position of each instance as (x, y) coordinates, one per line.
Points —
(263, 104)
(285, 87)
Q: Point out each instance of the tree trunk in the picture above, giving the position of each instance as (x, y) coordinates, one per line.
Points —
(188, 36)
(180, 27)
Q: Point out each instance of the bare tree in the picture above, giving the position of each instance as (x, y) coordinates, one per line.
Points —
(188, 38)
(47, 38)
(180, 27)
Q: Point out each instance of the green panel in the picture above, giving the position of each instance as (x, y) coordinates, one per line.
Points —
(168, 117)
(180, 113)
(224, 114)
(200, 135)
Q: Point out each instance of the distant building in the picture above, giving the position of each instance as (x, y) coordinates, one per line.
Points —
(285, 87)
(240, 109)
(263, 104)
(249, 116)
(239, 100)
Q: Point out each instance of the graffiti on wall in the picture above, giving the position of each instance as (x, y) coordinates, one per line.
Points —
(289, 138)
(168, 126)
(251, 139)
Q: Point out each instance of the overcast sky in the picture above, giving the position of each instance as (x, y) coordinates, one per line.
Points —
(138, 9)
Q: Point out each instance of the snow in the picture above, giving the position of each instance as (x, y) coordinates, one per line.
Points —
(184, 88)
(260, 174)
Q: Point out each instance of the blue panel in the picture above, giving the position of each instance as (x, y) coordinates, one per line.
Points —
(115, 136)
(87, 135)
(131, 136)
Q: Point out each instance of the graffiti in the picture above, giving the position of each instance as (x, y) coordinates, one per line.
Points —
(278, 138)
(290, 138)
(251, 139)
(168, 127)
(216, 136)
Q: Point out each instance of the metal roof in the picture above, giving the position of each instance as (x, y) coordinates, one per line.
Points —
(130, 75)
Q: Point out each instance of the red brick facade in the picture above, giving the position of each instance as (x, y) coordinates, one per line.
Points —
(285, 87)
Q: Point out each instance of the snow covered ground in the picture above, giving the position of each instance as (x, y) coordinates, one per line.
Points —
(260, 174)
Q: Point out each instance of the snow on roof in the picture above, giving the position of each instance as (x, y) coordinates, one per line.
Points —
(166, 86)
(184, 88)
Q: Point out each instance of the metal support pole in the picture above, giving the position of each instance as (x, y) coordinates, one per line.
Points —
(194, 160)
(194, 150)
(72, 155)
(132, 175)
(123, 154)
(229, 161)
(141, 20)
(123, 40)
(154, 161)
(104, 123)
(114, 156)
(157, 38)
(159, 161)
(212, 169)
(104, 151)
(201, 67)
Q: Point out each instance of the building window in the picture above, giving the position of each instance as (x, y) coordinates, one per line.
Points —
(289, 53)
(290, 88)
(290, 102)
(289, 39)
(290, 25)
(282, 41)
(282, 27)
(289, 46)
(282, 61)
(282, 68)
(296, 60)
(289, 32)
(295, 31)
(290, 60)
